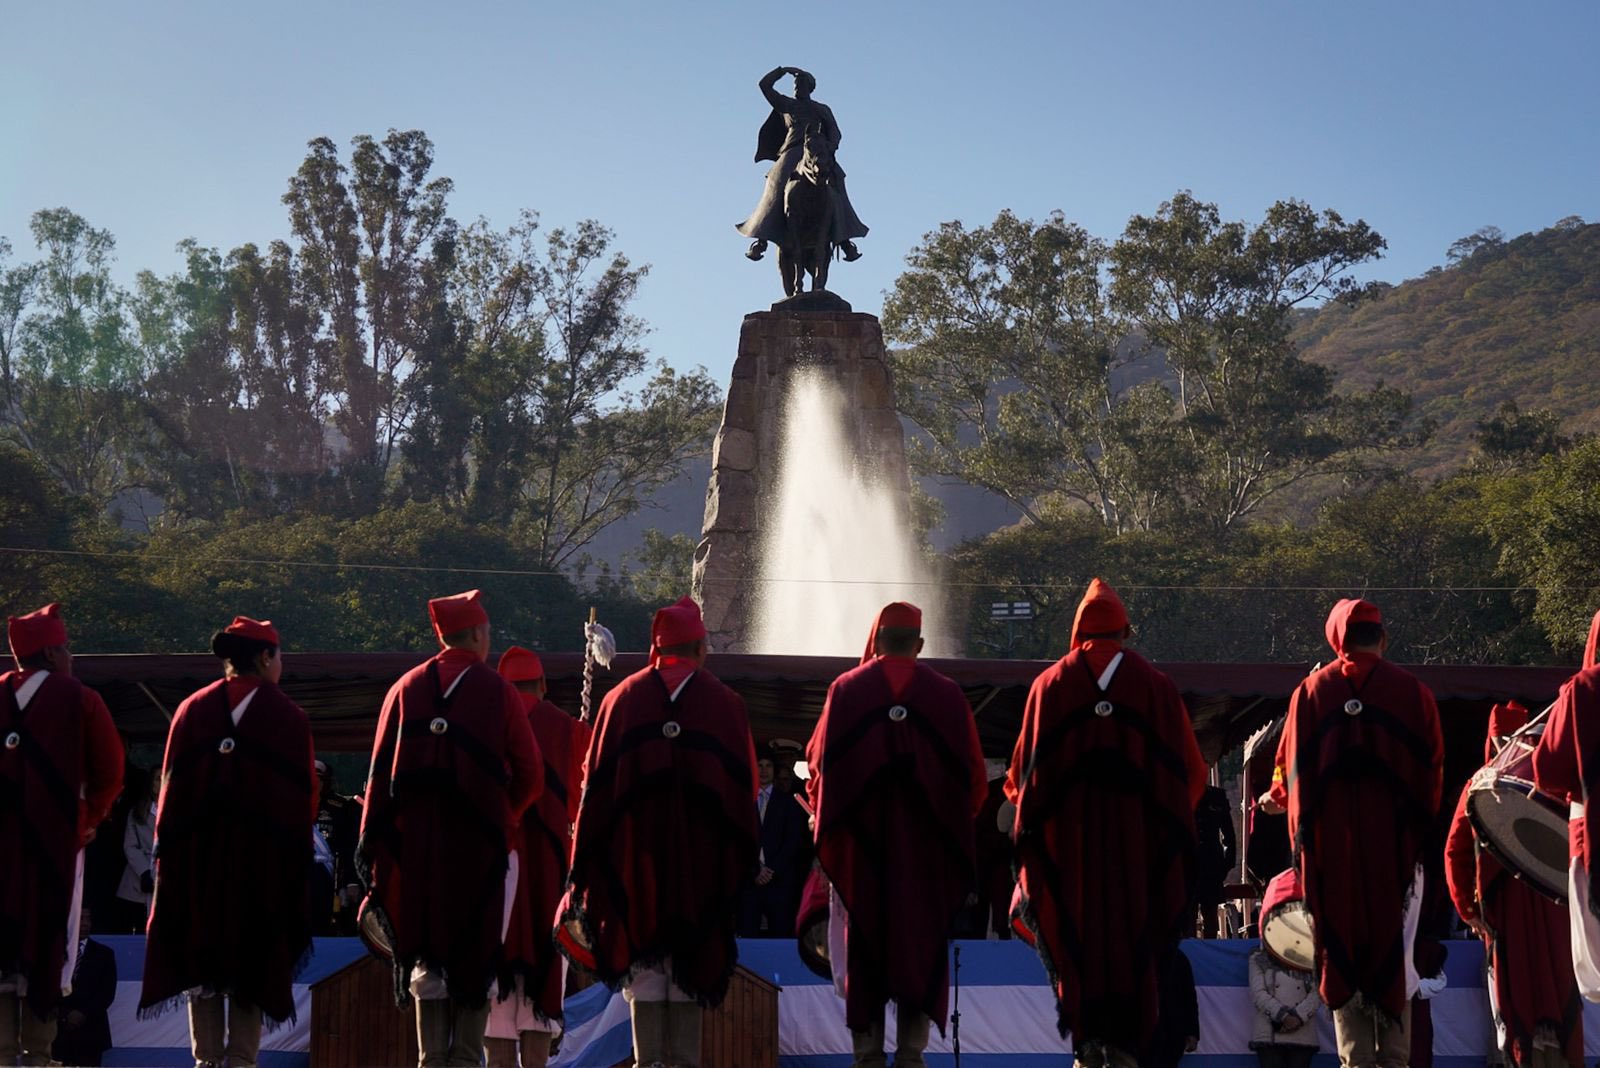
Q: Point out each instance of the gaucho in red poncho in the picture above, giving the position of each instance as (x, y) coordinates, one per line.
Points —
(1363, 759)
(532, 976)
(231, 912)
(897, 775)
(1566, 766)
(1105, 777)
(666, 836)
(454, 765)
(1525, 934)
(60, 770)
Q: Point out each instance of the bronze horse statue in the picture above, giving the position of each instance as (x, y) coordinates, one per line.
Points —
(808, 207)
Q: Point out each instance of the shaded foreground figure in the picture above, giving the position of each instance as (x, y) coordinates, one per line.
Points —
(1360, 770)
(1565, 764)
(665, 838)
(773, 894)
(454, 765)
(897, 775)
(230, 918)
(532, 980)
(61, 765)
(85, 1031)
(1105, 777)
(1526, 936)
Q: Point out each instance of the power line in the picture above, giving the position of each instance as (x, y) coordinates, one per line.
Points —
(521, 573)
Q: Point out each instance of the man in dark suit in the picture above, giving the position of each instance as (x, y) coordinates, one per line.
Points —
(774, 894)
(84, 1033)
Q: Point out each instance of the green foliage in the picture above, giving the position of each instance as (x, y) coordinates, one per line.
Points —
(665, 567)
(1514, 321)
(1026, 357)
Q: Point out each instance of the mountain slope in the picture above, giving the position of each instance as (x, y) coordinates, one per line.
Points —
(1517, 320)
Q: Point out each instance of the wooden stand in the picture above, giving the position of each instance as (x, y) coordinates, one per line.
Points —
(354, 1022)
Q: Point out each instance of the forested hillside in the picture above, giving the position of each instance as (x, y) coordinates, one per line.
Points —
(1507, 320)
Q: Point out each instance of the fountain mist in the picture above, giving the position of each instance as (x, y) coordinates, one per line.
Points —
(838, 544)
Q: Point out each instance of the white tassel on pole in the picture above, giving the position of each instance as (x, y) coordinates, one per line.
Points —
(598, 645)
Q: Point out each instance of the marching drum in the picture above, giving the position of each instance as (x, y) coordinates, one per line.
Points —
(1522, 828)
(1286, 923)
(811, 925)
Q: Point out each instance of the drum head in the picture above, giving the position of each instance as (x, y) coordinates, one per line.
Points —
(1286, 934)
(1524, 830)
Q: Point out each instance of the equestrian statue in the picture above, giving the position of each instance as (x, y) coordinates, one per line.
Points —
(804, 208)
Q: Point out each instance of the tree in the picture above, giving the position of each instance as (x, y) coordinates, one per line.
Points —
(1216, 300)
(375, 249)
(1006, 356)
(1482, 239)
(69, 357)
(1513, 437)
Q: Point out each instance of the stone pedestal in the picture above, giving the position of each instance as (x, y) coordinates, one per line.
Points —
(848, 348)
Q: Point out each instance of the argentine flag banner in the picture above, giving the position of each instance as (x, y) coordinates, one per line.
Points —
(1007, 1012)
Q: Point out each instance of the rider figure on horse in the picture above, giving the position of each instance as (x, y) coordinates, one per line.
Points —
(782, 139)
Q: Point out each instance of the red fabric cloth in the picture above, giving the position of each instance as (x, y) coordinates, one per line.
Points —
(259, 630)
(676, 624)
(1100, 612)
(1527, 938)
(1568, 757)
(667, 833)
(1344, 613)
(457, 612)
(67, 745)
(894, 614)
(1363, 793)
(233, 851)
(894, 801)
(544, 848)
(441, 810)
(41, 629)
(1504, 721)
(520, 665)
(1105, 840)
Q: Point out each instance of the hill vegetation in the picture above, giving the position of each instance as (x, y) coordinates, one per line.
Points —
(1513, 320)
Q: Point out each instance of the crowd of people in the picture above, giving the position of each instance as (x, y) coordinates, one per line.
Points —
(500, 839)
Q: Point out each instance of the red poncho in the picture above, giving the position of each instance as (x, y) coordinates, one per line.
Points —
(894, 799)
(1105, 837)
(1526, 936)
(667, 832)
(544, 846)
(441, 808)
(1363, 794)
(1562, 763)
(234, 822)
(64, 740)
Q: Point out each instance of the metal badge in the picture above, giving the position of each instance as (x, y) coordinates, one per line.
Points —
(1352, 707)
(1102, 709)
(225, 746)
(897, 713)
(13, 740)
(671, 729)
(439, 725)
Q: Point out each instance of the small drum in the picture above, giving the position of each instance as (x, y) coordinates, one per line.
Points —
(1520, 827)
(372, 933)
(1286, 923)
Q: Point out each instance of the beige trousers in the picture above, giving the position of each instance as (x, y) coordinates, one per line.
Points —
(242, 1043)
(1364, 1042)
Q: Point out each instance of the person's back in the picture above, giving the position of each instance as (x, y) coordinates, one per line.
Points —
(1362, 758)
(1105, 776)
(664, 839)
(897, 775)
(61, 766)
(454, 764)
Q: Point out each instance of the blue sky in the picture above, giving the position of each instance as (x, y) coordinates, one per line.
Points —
(161, 121)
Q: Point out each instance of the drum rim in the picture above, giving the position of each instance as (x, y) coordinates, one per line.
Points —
(1555, 889)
